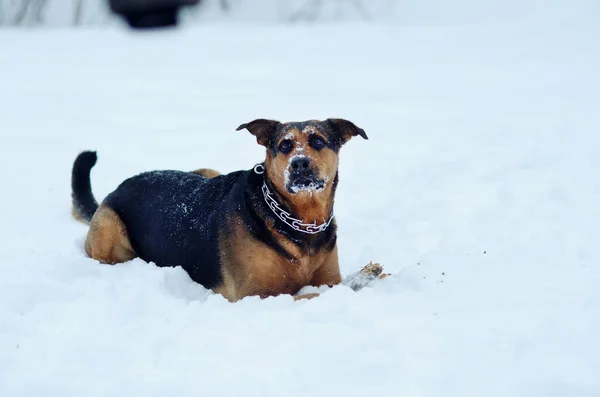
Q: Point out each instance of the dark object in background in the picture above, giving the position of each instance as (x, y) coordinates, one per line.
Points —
(148, 14)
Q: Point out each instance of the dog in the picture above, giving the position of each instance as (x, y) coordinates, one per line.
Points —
(266, 231)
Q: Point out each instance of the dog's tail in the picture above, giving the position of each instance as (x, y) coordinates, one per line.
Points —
(84, 203)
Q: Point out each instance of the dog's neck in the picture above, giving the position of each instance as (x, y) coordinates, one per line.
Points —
(286, 217)
(309, 213)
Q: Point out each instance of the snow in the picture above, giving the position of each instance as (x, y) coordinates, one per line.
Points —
(478, 190)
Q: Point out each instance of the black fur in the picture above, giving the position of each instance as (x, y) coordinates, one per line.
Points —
(175, 218)
(84, 204)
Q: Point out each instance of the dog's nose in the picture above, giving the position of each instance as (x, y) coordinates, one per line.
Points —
(300, 164)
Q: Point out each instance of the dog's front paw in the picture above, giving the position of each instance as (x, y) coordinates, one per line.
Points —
(360, 279)
(306, 296)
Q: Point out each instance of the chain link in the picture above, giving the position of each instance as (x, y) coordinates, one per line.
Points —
(296, 224)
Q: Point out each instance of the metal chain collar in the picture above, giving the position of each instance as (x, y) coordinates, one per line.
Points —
(296, 224)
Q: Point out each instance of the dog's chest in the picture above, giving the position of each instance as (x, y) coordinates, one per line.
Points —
(281, 276)
(251, 266)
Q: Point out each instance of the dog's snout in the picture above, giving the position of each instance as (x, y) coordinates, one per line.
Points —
(300, 164)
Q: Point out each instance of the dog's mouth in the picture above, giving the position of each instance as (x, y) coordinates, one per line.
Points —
(305, 183)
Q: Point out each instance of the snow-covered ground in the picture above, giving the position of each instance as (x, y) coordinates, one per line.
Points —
(478, 189)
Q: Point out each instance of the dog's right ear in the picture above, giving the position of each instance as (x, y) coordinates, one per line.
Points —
(263, 129)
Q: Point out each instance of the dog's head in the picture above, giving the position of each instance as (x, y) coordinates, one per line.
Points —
(302, 157)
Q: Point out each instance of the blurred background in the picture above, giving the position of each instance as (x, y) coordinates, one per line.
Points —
(63, 13)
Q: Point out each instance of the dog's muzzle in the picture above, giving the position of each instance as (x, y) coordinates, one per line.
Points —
(302, 176)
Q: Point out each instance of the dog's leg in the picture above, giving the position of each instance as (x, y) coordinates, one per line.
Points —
(329, 272)
(306, 296)
(207, 172)
(107, 239)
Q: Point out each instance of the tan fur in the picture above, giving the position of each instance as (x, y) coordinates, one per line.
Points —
(329, 272)
(306, 296)
(107, 239)
(207, 172)
(250, 267)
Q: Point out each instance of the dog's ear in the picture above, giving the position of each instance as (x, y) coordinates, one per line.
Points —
(262, 129)
(345, 129)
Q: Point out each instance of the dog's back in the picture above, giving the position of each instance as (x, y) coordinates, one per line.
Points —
(170, 218)
(174, 217)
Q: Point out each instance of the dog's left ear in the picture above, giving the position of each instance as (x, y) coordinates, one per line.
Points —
(345, 129)
(262, 129)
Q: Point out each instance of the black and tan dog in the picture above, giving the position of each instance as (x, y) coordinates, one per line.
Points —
(265, 231)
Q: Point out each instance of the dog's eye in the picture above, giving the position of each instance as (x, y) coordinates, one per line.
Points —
(317, 142)
(286, 146)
